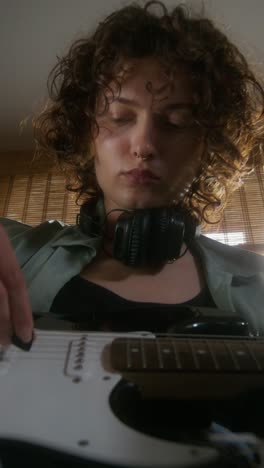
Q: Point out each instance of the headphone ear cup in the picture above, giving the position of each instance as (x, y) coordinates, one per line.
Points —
(151, 236)
(163, 222)
(159, 236)
(134, 242)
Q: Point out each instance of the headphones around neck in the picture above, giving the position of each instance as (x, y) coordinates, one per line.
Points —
(148, 236)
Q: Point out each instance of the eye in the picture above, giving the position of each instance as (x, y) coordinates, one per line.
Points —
(180, 125)
(172, 125)
(121, 120)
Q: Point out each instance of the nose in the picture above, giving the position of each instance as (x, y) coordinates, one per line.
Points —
(143, 140)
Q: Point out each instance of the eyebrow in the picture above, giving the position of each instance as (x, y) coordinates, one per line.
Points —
(171, 106)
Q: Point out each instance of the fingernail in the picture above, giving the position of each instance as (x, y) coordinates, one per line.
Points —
(25, 334)
(25, 345)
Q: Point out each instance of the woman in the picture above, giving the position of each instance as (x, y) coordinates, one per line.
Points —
(169, 98)
(147, 113)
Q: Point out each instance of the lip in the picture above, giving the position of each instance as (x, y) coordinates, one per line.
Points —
(140, 176)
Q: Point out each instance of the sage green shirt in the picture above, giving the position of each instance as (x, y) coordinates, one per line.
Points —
(51, 253)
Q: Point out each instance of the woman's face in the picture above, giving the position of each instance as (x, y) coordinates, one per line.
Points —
(153, 120)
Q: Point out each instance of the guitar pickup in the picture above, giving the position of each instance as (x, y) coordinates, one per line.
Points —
(84, 357)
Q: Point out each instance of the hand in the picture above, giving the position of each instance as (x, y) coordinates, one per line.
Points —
(15, 311)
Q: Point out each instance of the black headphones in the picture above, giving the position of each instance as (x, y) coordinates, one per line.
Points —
(148, 236)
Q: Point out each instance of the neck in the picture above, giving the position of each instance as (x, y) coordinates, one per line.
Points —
(109, 230)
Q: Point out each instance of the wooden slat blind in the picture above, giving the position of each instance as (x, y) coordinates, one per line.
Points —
(33, 193)
(36, 198)
(243, 221)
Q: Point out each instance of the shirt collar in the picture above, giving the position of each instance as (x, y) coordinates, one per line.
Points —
(71, 235)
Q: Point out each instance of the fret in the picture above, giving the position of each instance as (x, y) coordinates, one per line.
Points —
(176, 354)
(194, 354)
(244, 358)
(212, 354)
(151, 356)
(234, 359)
(167, 353)
(257, 349)
(161, 364)
(143, 354)
(186, 358)
(128, 357)
(252, 354)
(222, 355)
(135, 354)
(120, 353)
(203, 355)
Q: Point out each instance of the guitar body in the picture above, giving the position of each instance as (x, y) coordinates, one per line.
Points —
(60, 401)
(57, 397)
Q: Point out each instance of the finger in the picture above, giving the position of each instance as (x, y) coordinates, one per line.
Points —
(14, 283)
(20, 311)
(5, 324)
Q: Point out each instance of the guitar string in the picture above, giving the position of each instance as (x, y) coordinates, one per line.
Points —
(44, 350)
(62, 340)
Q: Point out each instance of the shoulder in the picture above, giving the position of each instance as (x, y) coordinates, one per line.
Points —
(20, 232)
(230, 258)
(50, 234)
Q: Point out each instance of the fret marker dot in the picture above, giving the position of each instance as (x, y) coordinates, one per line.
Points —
(135, 350)
(201, 351)
(240, 353)
(166, 350)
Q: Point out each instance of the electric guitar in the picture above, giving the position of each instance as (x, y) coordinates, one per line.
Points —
(79, 396)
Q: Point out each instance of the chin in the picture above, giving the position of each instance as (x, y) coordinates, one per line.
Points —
(140, 201)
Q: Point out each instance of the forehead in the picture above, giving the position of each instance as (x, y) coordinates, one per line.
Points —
(146, 77)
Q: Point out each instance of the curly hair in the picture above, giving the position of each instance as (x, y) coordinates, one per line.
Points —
(231, 99)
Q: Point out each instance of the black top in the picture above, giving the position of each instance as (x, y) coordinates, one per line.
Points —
(85, 302)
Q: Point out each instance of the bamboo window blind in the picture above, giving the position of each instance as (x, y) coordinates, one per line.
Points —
(34, 193)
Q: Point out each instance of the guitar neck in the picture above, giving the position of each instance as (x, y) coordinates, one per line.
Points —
(187, 354)
(181, 367)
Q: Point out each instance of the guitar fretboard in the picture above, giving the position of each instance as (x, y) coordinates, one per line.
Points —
(190, 355)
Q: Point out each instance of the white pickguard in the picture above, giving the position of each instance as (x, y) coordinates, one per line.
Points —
(46, 400)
